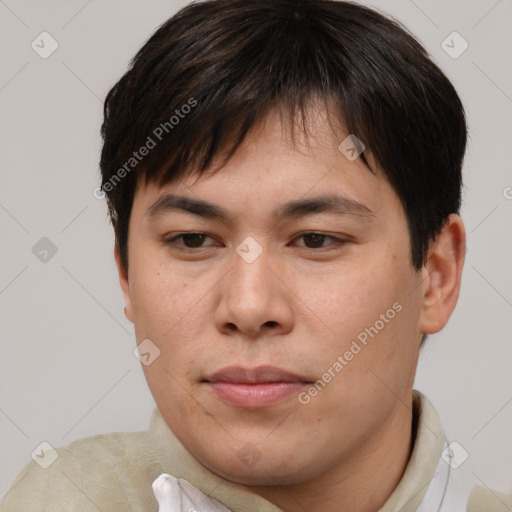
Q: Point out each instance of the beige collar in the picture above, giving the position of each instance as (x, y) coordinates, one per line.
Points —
(420, 470)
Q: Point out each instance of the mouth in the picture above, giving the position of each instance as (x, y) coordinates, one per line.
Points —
(254, 388)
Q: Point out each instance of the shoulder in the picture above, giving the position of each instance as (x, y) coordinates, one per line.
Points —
(484, 499)
(86, 473)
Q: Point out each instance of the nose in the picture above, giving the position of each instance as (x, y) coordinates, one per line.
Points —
(254, 299)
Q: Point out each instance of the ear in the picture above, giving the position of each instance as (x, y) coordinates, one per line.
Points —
(442, 273)
(125, 286)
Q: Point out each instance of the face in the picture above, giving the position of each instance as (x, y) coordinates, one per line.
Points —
(279, 320)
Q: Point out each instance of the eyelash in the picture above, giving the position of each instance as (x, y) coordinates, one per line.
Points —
(172, 241)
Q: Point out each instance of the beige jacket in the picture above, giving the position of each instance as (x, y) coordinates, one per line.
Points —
(114, 473)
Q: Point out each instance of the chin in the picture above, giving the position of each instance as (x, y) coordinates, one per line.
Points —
(256, 470)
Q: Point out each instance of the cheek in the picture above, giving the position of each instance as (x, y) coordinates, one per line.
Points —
(351, 298)
(169, 309)
(368, 313)
(160, 298)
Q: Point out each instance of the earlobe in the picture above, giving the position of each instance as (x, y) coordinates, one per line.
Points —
(443, 272)
(125, 286)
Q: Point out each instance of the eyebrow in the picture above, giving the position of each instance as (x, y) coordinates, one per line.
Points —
(330, 203)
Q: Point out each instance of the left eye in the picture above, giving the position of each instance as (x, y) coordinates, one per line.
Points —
(317, 239)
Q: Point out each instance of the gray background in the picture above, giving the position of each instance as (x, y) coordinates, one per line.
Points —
(67, 368)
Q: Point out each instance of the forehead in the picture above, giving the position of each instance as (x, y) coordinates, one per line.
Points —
(280, 170)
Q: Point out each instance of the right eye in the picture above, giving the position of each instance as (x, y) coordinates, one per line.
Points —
(190, 240)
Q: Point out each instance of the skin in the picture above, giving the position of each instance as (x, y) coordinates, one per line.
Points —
(298, 306)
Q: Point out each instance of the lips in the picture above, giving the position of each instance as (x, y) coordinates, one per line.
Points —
(261, 374)
(254, 388)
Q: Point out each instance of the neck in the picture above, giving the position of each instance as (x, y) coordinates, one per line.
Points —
(361, 483)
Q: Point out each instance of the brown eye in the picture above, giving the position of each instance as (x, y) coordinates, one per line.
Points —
(189, 241)
(316, 240)
(193, 239)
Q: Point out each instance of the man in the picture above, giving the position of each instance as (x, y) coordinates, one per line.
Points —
(283, 178)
